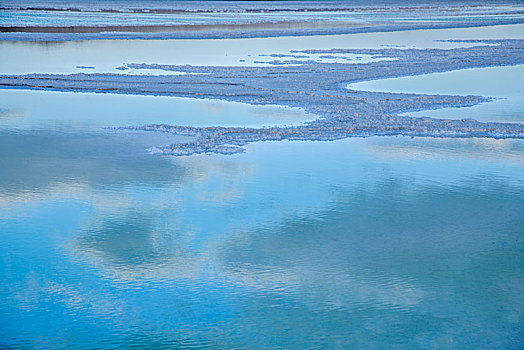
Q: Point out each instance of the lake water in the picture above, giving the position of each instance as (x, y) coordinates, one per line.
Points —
(51, 110)
(25, 57)
(380, 242)
(363, 242)
(502, 83)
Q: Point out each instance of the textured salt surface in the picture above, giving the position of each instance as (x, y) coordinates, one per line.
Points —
(167, 6)
(81, 20)
(25, 57)
(292, 18)
(247, 32)
(317, 87)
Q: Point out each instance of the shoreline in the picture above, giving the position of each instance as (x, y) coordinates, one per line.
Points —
(180, 28)
(243, 33)
(317, 88)
(166, 7)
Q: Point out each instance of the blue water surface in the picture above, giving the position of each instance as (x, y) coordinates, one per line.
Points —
(374, 242)
(383, 242)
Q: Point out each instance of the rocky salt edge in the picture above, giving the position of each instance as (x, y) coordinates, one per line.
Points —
(159, 19)
(20, 34)
(246, 6)
(318, 88)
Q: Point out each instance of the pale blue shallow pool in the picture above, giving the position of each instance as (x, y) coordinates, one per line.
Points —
(504, 84)
(68, 111)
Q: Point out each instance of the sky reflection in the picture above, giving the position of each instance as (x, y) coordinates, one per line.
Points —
(341, 240)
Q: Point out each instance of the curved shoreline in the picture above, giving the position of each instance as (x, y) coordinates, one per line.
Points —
(317, 88)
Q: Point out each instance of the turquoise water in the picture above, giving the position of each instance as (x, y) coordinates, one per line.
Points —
(377, 242)
(383, 242)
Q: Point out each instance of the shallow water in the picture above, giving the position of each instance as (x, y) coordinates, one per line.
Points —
(66, 111)
(380, 242)
(363, 242)
(502, 83)
(24, 57)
